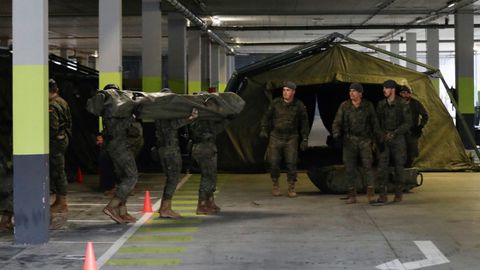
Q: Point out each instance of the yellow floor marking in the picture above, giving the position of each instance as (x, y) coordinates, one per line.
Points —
(144, 262)
(169, 229)
(156, 250)
(156, 238)
(173, 221)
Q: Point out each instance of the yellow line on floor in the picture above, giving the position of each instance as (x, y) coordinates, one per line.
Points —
(173, 221)
(156, 250)
(169, 229)
(144, 262)
(156, 238)
(176, 202)
(177, 207)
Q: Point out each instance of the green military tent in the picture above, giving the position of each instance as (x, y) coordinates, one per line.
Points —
(323, 74)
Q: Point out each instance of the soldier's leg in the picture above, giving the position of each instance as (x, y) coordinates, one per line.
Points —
(172, 166)
(291, 157)
(366, 156)
(350, 156)
(274, 157)
(58, 176)
(203, 155)
(382, 177)
(6, 203)
(399, 157)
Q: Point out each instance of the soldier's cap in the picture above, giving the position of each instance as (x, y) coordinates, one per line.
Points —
(52, 84)
(390, 84)
(290, 85)
(357, 87)
(111, 86)
(405, 88)
(166, 90)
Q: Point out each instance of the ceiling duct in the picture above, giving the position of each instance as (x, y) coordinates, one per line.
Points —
(200, 23)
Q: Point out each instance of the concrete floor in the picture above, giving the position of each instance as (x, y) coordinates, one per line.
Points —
(257, 231)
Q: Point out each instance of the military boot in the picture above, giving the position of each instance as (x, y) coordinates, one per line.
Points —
(123, 213)
(166, 211)
(352, 196)
(211, 203)
(398, 193)
(382, 197)
(113, 210)
(291, 190)
(370, 194)
(203, 209)
(6, 223)
(276, 187)
(60, 204)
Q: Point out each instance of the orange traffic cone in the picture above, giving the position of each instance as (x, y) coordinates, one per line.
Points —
(90, 261)
(147, 203)
(79, 175)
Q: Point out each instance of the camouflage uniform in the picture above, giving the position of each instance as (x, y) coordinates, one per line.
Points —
(123, 158)
(283, 121)
(6, 191)
(135, 138)
(169, 153)
(60, 134)
(357, 128)
(204, 151)
(394, 119)
(417, 110)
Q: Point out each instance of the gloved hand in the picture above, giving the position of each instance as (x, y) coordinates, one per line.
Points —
(194, 114)
(389, 136)
(263, 134)
(304, 145)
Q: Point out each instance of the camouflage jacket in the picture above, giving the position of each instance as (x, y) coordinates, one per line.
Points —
(351, 121)
(283, 120)
(417, 110)
(395, 117)
(60, 119)
(206, 130)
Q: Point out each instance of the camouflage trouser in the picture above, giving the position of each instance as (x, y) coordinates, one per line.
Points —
(171, 160)
(353, 148)
(412, 149)
(124, 166)
(58, 178)
(288, 148)
(205, 154)
(395, 150)
(6, 194)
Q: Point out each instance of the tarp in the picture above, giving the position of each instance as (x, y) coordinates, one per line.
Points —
(325, 76)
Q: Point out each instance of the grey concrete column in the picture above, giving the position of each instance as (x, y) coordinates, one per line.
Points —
(151, 46)
(194, 61)
(464, 71)
(214, 66)
(177, 53)
(110, 42)
(30, 122)
(433, 55)
(205, 62)
(411, 49)
(395, 48)
(222, 70)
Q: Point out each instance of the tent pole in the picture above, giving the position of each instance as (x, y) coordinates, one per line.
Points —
(460, 117)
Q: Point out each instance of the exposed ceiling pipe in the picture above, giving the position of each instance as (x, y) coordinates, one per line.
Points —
(381, 6)
(199, 22)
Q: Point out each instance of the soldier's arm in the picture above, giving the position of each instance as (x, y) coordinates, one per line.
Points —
(304, 125)
(423, 114)
(374, 122)
(54, 117)
(337, 130)
(266, 122)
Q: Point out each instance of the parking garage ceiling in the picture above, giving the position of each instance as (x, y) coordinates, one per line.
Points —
(265, 26)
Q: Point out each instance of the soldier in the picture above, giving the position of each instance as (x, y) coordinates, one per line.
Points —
(60, 135)
(204, 151)
(170, 157)
(123, 159)
(355, 126)
(284, 119)
(419, 120)
(395, 120)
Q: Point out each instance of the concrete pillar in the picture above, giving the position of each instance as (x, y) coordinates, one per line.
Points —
(30, 122)
(395, 48)
(222, 70)
(110, 42)
(411, 49)
(151, 46)
(215, 66)
(433, 55)
(177, 53)
(194, 61)
(205, 62)
(464, 70)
